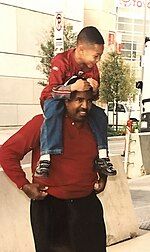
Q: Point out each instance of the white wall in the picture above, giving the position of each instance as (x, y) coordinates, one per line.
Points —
(101, 14)
(24, 26)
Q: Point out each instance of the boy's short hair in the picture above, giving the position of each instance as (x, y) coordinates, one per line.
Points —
(90, 34)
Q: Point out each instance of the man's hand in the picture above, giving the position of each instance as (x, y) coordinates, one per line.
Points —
(35, 191)
(94, 84)
(80, 85)
(99, 186)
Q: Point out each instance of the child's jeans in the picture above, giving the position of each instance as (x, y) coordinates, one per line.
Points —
(51, 131)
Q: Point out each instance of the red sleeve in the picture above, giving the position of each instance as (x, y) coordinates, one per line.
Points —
(16, 147)
(57, 76)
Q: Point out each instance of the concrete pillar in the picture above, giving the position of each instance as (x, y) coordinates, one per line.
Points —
(144, 139)
(133, 157)
(120, 219)
(137, 158)
(15, 230)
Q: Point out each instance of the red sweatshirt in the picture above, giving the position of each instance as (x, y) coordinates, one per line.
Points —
(64, 66)
(72, 174)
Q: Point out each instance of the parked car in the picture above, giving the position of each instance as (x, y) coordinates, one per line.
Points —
(124, 113)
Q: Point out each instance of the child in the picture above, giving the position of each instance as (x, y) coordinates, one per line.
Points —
(73, 70)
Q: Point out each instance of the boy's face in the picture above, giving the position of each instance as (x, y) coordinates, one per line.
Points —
(90, 54)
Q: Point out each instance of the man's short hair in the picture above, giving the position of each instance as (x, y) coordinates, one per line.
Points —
(91, 35)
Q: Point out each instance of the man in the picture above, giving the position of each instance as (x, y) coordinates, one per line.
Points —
(66, 215)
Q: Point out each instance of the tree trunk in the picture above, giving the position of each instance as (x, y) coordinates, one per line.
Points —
(116, 115)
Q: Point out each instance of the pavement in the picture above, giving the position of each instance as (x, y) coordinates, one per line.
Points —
(5, 133)
(138, 244)
(140, 194)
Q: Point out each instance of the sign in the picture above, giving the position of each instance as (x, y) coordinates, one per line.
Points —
(58, 33)
(132, 3)
(111, 38)
(115, 41)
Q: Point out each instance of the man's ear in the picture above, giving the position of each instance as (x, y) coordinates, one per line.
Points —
(66, 101)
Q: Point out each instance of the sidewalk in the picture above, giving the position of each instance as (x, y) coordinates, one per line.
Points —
(138, 244)
(6, 133)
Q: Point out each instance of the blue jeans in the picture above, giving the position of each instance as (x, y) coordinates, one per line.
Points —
(51, 131)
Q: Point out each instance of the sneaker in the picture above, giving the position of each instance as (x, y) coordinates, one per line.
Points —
(104, 166)
(43, 168)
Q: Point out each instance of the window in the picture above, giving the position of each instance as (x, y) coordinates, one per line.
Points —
(132, 36)
(110, 107)
(120, 108)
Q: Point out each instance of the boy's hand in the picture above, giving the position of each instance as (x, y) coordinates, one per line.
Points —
(94, 84)
(35, 191)
(80, 85)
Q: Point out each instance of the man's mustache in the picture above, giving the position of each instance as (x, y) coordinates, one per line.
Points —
(83, 110)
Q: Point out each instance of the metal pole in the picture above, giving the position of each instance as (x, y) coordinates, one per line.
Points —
(144, 34)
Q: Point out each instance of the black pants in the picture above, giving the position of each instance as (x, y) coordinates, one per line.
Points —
(68, 225)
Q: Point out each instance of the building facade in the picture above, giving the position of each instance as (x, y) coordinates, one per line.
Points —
(133, 23)
(24, 26)
(122, 22)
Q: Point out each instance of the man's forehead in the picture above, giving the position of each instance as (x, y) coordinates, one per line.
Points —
(84, 95)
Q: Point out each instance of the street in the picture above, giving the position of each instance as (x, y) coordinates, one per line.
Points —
(116, 145)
